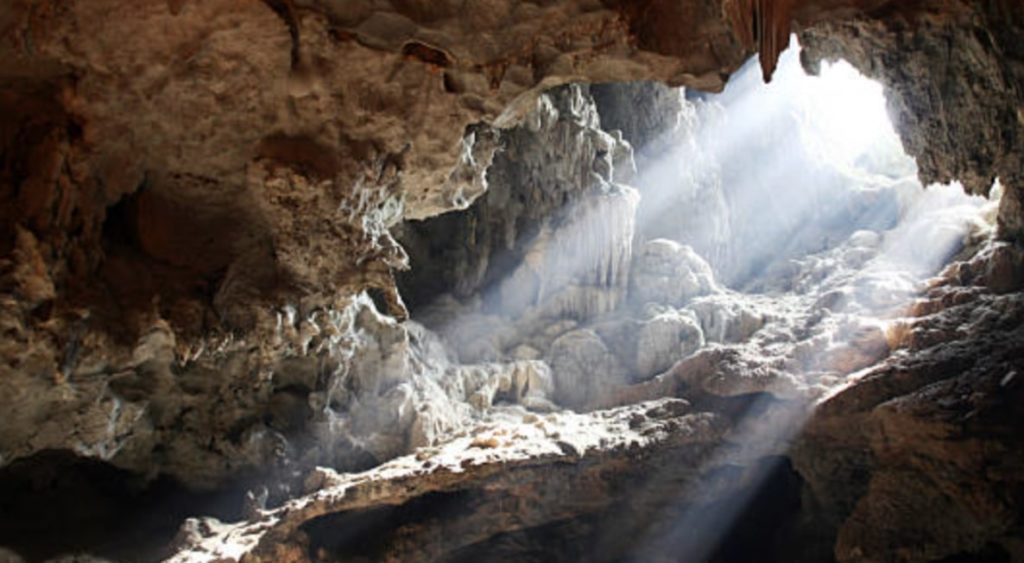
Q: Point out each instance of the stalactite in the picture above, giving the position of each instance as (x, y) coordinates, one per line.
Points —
(593, 252)
(762, 25)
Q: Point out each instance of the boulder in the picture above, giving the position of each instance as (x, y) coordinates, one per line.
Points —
(670, 273)
(666, 339)
(583, 369)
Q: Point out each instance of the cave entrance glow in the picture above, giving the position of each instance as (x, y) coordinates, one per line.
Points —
(748, 253)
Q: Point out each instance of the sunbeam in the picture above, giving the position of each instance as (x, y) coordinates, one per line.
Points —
(774, 236)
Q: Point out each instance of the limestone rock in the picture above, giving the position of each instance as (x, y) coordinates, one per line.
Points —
(583, 368)
(914, 433)
(665, 339)
(502, 460)
(197, 266)
(670, 273)
(1004, 272)
(724, 319)
(523, 246)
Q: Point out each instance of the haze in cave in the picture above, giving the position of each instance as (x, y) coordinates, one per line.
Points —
(719, 281)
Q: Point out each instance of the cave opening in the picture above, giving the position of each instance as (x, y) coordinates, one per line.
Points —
(638, 241)
(646, 225)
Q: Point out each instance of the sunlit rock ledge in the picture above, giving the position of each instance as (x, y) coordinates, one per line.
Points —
(577, 458)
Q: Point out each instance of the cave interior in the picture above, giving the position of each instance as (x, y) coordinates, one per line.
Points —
(572, 280)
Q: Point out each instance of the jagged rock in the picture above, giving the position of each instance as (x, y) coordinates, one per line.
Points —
(196, 195)
(678, 167)
(907, 441)
(206, 171)
(938, 120)
(1004, 271)
(201, 168)
(728, 372)
(523, 245)
(501, 461)
(646, 113)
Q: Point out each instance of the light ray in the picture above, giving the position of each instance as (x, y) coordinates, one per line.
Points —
(815, 202)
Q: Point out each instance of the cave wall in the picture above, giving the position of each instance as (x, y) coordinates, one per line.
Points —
(920, 459)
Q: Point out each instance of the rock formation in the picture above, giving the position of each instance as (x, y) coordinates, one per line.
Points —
(204, 206)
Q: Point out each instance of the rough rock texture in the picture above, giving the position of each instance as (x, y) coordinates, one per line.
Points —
(553, 217)
(175, 174)
(345, 387)
(294, 146)
(670, 136)
(665, 338)
(670, 273)
(584, 368)
(576, 459)
(929, 429)
(195, 195)
(645, 112)
(929, 443)
(550, 245)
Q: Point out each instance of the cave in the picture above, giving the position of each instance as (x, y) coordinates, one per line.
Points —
(574, 280)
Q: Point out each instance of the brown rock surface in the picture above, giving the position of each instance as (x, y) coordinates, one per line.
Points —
(928, 443)
(506, 477)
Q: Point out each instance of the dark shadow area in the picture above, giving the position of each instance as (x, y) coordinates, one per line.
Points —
(56, 503)
(761, 530)
(991, 553)
(753, 518)
(187, 247)
(367, 535)
(563, 541)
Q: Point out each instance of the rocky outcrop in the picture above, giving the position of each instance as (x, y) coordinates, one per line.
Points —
(554, 216)
(670, 273)
(928, 442)
(347, 387)
(249, 157)
(678, 168)
(931, 427)
(255, 88)
(480, 479)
